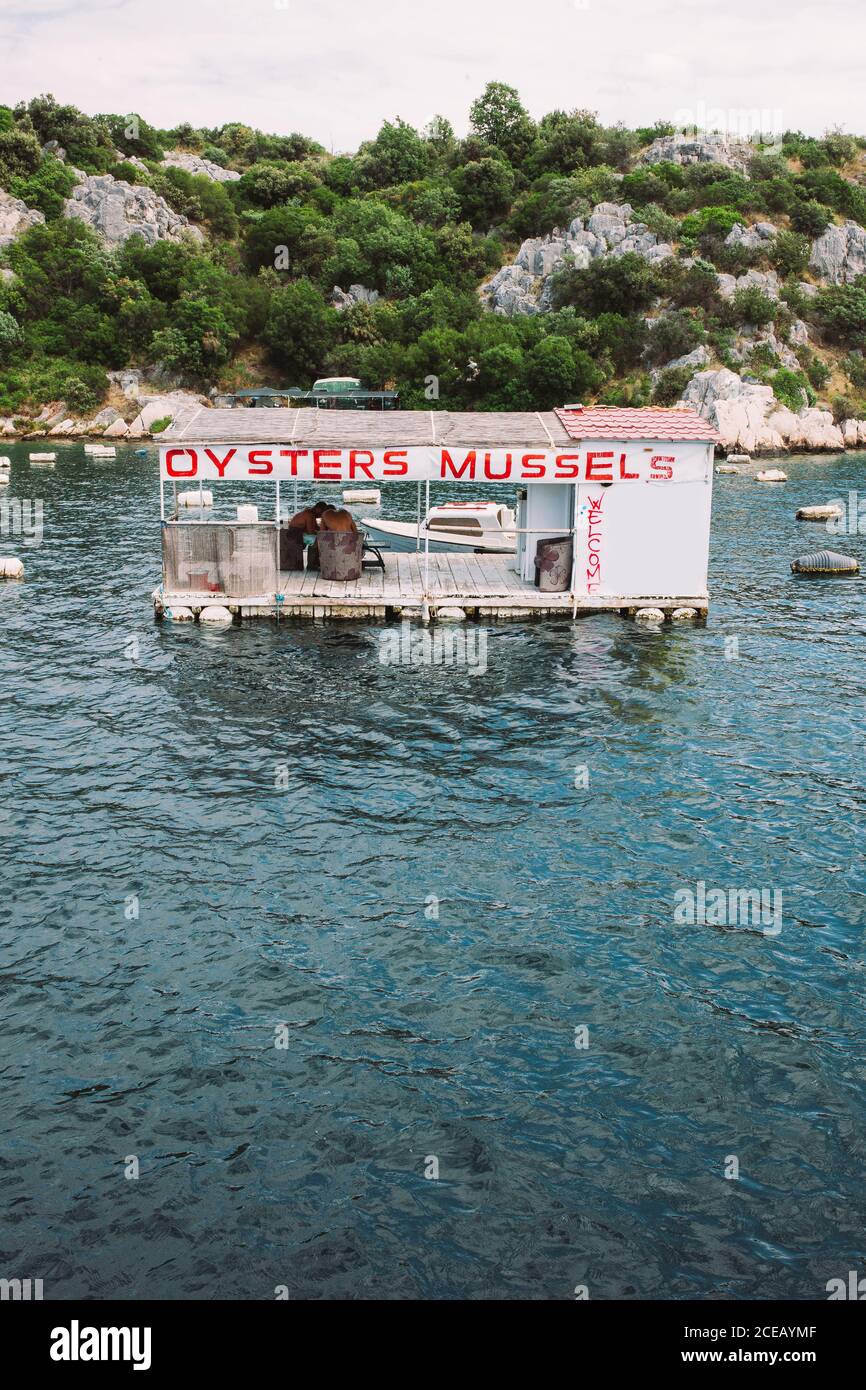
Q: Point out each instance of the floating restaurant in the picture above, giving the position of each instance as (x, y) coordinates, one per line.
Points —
(612, 513)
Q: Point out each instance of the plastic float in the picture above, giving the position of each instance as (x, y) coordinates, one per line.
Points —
(727, 468)
(771, 475)
(215, 613)
(42, 458)
(739, 458)
(11, 568)
(369, 495)
(247, 512)
(201, 498)
(649, 615)
(825, 562)
(820, 513)
(683, 615)
(179, 614)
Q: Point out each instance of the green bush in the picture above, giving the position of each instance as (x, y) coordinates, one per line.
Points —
(751, 306)
(790, 253)
(670, 386)
(789, 387)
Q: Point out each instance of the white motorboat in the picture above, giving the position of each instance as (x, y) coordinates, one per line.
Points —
(472, 527)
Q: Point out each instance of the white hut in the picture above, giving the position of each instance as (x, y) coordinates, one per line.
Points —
(624, 494)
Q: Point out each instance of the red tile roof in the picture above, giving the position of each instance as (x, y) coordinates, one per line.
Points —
(648, 422)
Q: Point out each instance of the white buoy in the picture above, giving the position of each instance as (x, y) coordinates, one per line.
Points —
(369, 495)
(451, 615)
(105, 450)
(772, 475)
(739, 458)
(248, 512)
(200, 498)
(5, 463)
(4, 479)
(649, 615)
(820, 513)
(179, 615)
(11, 568)
(683, 615)
(727, 468)
(42, 458)
(215, 613)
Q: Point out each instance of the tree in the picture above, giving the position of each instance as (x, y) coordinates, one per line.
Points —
(555, 372)
(300, 329)
(291, 239)
(485, 188)
(397, 155)
(199, 341)
(10, 335)
(499, 117)
(612, 284)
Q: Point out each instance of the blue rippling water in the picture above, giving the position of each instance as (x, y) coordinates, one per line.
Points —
(409, 1036)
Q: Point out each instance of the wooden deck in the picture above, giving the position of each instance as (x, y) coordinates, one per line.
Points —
(484, 586)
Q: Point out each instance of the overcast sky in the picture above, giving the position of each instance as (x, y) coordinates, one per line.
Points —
(335, 70)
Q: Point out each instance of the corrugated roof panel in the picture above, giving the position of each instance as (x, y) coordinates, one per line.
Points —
(371, 428)
(629, 422)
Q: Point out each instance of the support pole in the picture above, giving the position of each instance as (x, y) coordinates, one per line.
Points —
(418, 519)
(278, 502)
(162, 499)
(426, 540)
(574, 555)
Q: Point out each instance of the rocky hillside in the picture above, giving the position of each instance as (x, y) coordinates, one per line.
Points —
(528, 264)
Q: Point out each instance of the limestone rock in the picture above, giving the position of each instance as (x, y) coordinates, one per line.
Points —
(512, 291)
(839, 255)
(767, 281)
(64, 427)
(117, 430)
(701, 148)
(129, 382)
(117, 210)
(853, 433)
(751, 237)
(105, 417)
(16, 217)
(195, 164)
(355, 294)
(749, 418)
(698, 357)
(525, 288)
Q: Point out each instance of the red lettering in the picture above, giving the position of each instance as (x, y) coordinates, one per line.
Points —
(221, 464)
(604, 471)
(260, 463)
(173, 471)
(660, 467)
(570, 470)
(356, 464)
(533, 470)
(322, 462)
(396, 464)
(489, 471)
(622, 469)
(293, 455)
(448, 462)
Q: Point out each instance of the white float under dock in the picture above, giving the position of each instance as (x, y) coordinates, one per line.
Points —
(484, 586)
